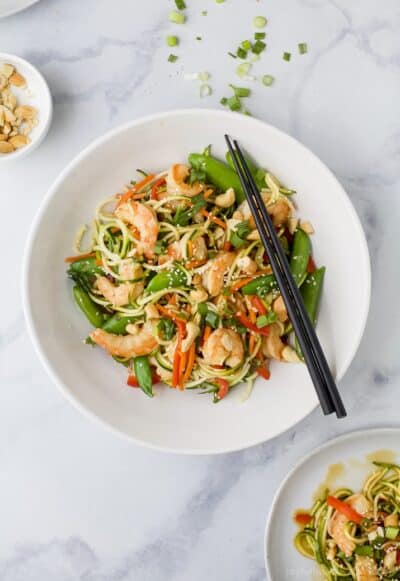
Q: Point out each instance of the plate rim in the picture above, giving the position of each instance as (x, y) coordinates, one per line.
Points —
(27, 253)
(328, 444)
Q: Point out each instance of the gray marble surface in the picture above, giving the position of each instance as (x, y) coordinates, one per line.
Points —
(78, 503)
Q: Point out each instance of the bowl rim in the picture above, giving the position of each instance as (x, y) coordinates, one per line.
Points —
(15, 10)
(87, 150)
(313, 452)
(46, 108)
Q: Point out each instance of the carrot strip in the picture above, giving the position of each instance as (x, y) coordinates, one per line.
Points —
(195, 263)
(252, 341)
(214, 219)
(239, 283)
(175, 369)
(127, 195)
(172, 300)
(227, 246)
(190, 248)
(79, 257)
(264, 372)
(170, 314)
(208, 193)
(206, 334)
(258, 305)
(190, 363)
(182, 368)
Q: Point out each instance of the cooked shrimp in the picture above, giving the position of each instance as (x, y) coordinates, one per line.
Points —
(279, 308)
(272, 344)
(145, 221)
(280, 211)
(142, 343)
(176, 184)
(213, 278)
(129, 270)
(366, 569)
(224, 346)
(199, 248)
(337, 522)
(117, 295)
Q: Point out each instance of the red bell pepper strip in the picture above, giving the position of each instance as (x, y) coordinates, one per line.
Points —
(133, 382)
(241, 317)
(264, 372)
(154, 189)
(258, 305)
(303, 518)
(177, 357)
(223, 387)
(345, 508)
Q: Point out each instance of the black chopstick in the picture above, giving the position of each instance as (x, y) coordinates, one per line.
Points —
(314, 357)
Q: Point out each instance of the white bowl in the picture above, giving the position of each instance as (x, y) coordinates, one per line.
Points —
(8, 7)
(38, 95)
(352, 455)
(187, 422)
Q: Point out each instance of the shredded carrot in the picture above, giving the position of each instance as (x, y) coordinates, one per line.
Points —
(178, 354)
(127, 195)
(190, 363)
(167, 313)
(175, 370)
(195, 263)
(252, 316)
(264, 372)
(79, 257)
(251, 343)
(227, 246)
(190, 248)
(139, 196)
(99, 262)
(206, 334)
(154, 189)
(208, 193)
(214, 219)
(239, 283)
(172, 300)
(182, 368)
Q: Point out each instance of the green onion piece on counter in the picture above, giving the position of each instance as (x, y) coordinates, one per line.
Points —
(234, 103)
(287, 56)
(204, 76)
(260, 22)
(204, 13)
(246, 45)
(224, 101)
(243, 69)
(303, 48)
(180, 4)
(258, 47)
(259, 35)
(176, 17)
(172, 40)
(240, 91)
(268, 80)
(241, 53)
(205, 90)
(198, 38)
(143, 374)
(219, 1)
(172, 58)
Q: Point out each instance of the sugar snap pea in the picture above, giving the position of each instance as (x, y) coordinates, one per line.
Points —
(260, 286)
(173, 278)
(143, 374)
(117, 324)
(88, 307)
(217, 173)
(311, 293)
(85, 266)
(300, 255)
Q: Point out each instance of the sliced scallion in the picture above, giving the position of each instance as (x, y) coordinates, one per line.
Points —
(268, 80)
(205, 90)
(240, 91)
(258, 47)
(243, 69)
(198, 38)
(180, 4)
(259, 35)
(234, 103)
(172, 40)
(241, 53)
(287, 56)
(303, 48)
(172, 58)
(224, 101)
(259, 21)
(204, 13)
(176, 17)
(204, 76)
(246, 45)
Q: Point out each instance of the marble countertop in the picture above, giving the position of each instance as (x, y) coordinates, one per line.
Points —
(76, 502)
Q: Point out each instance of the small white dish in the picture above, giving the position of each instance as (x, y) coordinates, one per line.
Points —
(9, 7)
(353, 453)
(188, 422)
(37, 94)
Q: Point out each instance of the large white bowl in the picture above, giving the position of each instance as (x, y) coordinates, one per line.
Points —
(187, 422)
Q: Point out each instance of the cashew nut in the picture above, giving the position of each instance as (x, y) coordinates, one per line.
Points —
(227, 199)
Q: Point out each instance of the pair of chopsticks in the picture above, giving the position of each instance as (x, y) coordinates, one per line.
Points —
(314, 357)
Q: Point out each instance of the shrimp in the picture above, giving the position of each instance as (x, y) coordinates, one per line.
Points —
(145, 221)
(117, 295)
(366, 569)
(224, 346)
(142, 343)
(213, 278)
(199, 248)
(280, 210)
(176, 184)
(337, 522)
(272, 344)
(128, 270)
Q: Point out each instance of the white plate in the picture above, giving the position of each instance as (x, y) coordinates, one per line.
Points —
(354, 451)
(8, 7)
(37, 94)
(188, 422)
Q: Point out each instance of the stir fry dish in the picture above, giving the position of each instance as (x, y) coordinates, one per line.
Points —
(177, 284)
(355, 535)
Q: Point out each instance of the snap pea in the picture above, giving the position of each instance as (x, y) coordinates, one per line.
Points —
(257, 173)
(300, 255)
(218, 173)
(143, 374)
(260, 286)
(172, 278)
(117, 324)
(85, 266)
(311, 293)
(88, 307)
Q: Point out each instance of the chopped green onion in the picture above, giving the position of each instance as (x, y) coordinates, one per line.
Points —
(259, 35)
(259, 21)
(180, 4)
(205, 90)
(232, 55)
(172, 40)
(219, 1)
(287, 56)
(258, 47)
(364, 550)
(172, 58)
(224, 101)
(204, 13)
(246, 45)
(241, 53)
(202, 309)
(240, 91)
(268, 80)
(234, 103)
(391, 533)
(243, 69)
(267, 319)
(303, 48)
(204, 76)
(198, 38)
(176, 17)
(212, 319)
